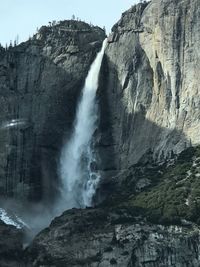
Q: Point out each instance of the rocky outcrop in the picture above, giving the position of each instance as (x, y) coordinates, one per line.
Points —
(40, 82)
(145, 222)
(113, 238)
(11, 250)
(150, 83)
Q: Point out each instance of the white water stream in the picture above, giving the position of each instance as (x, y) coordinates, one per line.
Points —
(78, 175)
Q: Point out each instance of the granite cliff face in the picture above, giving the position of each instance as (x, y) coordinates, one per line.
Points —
(40, 82)
(150, 82)
(149, 112)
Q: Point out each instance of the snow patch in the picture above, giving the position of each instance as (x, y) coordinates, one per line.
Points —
(12, 219)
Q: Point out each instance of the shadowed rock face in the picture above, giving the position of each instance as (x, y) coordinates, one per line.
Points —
(11, 252)
(40, 82)
(151, 78)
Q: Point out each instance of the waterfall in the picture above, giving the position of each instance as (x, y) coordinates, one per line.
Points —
(79, 178)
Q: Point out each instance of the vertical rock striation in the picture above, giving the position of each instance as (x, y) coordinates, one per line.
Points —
(150, 79)
(40, 82)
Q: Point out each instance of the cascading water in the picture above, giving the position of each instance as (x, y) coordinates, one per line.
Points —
(77, 164)
(78, 176)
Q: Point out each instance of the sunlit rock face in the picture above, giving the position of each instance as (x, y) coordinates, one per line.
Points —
(40, 82)
(150, 82)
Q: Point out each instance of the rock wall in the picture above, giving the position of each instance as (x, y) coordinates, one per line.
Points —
(150, 79)
(40, 82)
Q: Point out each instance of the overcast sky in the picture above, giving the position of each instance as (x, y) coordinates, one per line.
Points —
(22, 17)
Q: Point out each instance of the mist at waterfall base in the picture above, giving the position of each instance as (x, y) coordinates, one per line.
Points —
(78, 175)
(79, 178)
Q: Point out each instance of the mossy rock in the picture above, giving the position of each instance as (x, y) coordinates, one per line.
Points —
(173, 195)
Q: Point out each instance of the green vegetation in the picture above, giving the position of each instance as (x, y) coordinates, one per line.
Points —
(172, 195)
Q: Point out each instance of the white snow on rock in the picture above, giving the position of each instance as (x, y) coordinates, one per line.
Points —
(12, 219)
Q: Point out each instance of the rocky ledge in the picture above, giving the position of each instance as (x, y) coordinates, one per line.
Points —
(150, 219)
(100, 237)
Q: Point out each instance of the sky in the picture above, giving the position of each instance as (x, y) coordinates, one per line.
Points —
(22, 17)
